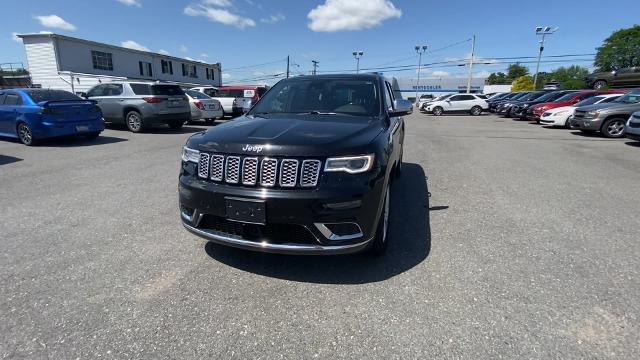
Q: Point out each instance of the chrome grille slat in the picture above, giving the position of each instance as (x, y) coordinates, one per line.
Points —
(288, 172)
(203, 165)
(268, 171)
(217, 167)
(249, 171)
(232, 169)
(310, 173)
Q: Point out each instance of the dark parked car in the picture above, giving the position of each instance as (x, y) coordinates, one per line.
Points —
(306, 171)
(507, 108)
(618, 78)
(520, 109)
(35, 114)
(519, 95)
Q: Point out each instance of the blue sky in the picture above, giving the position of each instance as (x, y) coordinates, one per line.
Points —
(238, 33)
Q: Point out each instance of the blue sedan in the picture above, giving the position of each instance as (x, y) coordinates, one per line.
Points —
(35, 114)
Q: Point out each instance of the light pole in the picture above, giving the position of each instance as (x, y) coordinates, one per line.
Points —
(544, 31)
(469, 76)
(357, 55)
(473, 52)
(315, 65)
(420, 50)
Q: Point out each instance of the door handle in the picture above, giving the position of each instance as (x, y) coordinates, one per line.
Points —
(120, 99)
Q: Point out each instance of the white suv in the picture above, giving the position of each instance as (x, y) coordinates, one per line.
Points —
(461, 103)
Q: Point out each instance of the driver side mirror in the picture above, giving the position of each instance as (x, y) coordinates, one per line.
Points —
(83, 95)
(401, 107)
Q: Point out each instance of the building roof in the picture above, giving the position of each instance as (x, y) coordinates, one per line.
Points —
(121, 48)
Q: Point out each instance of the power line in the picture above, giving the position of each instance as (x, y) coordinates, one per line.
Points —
(256, 65)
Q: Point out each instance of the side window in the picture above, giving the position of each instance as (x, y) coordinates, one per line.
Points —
(2, 96)
(12, 100)
(140, 89)
(388, 97)
(96, 91)
(610, 99)
(112, 90)
(210, 92)
(455, 98)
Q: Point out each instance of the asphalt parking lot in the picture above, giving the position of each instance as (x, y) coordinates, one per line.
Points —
(527, 248)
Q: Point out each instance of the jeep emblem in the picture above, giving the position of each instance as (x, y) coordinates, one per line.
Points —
(251, 148)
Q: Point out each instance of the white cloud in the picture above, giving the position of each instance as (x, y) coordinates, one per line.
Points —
(272, 19)
(164, 52)
(204, 55)
(220, 3)
(130, 44)
(222, 16)
(482, 74)
(131, 2)
(55, 21)
(339, 15)
(226, 76)
(14, 37)
(184, 48)
(440, 73)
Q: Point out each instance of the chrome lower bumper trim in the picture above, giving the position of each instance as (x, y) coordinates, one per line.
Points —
(299, 249)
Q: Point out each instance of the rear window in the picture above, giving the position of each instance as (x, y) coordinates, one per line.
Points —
(51, 95)
(196, 94)
(141, 89)
(230, 93)
(169, 90)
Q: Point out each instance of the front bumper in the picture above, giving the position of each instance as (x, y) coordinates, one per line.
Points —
(203, 209)
(585, 124)
(633, 130)
(553, 120)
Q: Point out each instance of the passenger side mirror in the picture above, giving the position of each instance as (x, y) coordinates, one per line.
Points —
(83, 94)
(401, 108)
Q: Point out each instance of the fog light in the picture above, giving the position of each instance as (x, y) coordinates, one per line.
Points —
(340, 231)
(186, 212)
(344, 205)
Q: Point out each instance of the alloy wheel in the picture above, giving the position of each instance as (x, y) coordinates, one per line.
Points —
(25, 134)
(615, 128)
(134, 122)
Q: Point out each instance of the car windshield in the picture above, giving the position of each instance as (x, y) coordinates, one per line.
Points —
(532, 96)
(631, 98)
(169, 90)
(589, 101)
(311, 95)
(51, 95)
(566, 97)
(230, 93)
(196, 95)
(442, 97)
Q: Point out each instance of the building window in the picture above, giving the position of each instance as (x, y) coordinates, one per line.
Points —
(145, 69)
(102, 60)
(210, 74)
(167, 67)
(189, 70)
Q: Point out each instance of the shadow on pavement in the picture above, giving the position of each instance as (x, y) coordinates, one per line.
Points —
(409, 245)
(6, 159)
(633, 143)
(162, 129)
(74, 141)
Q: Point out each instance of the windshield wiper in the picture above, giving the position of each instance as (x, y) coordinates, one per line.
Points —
(316, 112)
(261, 114)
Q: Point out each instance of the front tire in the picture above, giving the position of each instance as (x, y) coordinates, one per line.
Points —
(613, 128)
(25, 134)
(379, 245)
(600, 84)
(134, 122)
(476, 110)
(437, 111)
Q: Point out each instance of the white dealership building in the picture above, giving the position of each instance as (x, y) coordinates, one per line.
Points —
(73, 64)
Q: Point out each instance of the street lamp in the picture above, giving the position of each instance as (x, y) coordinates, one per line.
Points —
(544, 31)
(357, 55)
(420, 50)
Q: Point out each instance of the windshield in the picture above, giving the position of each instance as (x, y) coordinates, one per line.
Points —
(51, 95)
(196, 95)
(442, 97)
(566, 97)
(230, 93)
(532, 96)
(628, 98)
(169, 90)
(519, 96)
(353, 97)
(589, 101)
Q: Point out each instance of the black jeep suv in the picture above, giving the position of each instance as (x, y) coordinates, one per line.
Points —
(306, 171)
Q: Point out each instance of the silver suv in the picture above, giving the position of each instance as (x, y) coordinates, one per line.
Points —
(140, 105)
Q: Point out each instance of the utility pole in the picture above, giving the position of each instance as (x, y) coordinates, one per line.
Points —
(357, 55)
(315, 66)
(544, 31)
(420, 50)
(473, 51)
(287, 66)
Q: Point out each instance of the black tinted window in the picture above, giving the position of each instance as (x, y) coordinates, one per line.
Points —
(169, 90)
(230, 93)
(354, 97)
(96, 91)
(141, 89)
(51, 95)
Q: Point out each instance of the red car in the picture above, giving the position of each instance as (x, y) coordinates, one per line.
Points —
(535, 111)
(254, 92)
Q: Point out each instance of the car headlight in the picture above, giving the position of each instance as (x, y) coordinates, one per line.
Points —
(593, 114)
(190, 155)
(350, 164)
(559, 113)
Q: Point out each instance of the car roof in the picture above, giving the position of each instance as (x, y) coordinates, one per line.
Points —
(242, 87)
(364, 76)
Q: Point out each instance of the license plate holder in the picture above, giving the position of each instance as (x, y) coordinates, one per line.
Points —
(245, 210)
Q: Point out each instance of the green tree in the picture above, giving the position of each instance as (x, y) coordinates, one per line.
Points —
(570, 78)
(516, 70)
(498, 78)
(523, 83)
(621, 49)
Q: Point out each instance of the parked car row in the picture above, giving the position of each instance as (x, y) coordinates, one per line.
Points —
(31, 115)
(609, 112)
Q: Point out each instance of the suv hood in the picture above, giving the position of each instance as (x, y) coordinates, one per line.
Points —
(290, 135)
(610, 105)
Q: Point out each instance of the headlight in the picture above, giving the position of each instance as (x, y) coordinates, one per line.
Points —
(560, 112)
(190, 155)
(593, 114)
(350, 164)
